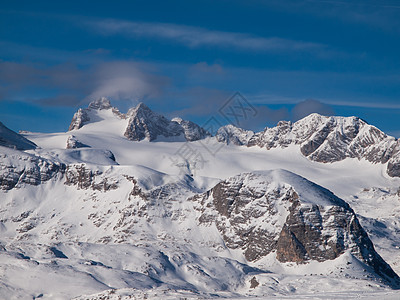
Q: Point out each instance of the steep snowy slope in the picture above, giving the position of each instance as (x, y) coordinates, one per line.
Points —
(11, 139)
(90, 114)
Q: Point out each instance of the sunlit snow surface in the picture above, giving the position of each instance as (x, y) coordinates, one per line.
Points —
(60, 242)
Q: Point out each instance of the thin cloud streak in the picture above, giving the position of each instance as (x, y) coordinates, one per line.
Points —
(270, 99)
(194, 37)
(356, 4)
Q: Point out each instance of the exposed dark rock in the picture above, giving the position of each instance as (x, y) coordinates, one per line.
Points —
(145, 124)
(192, 131)
(393, 168)
(84, 178)
(278, 211)
(254, 283)
(18, 168)
(331, 139)
(79, 119)
(230, 134)
(73, 143)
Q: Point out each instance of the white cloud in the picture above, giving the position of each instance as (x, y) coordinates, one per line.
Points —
(197, 37)
(125, 81)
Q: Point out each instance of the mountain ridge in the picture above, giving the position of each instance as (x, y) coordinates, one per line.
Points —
(323, 139)
(130, 217)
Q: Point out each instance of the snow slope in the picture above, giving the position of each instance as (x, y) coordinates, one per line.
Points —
(9, 138)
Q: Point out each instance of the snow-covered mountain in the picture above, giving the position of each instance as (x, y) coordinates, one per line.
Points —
(278, 211)
(319, 138)
(326, 140)
(142, 124)
(90, 114)
(96, 211)
(11, 139)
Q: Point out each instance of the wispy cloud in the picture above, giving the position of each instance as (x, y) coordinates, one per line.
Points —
(194, 37)
(69, 85)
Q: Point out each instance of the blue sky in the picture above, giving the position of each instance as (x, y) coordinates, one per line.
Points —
(186, 58)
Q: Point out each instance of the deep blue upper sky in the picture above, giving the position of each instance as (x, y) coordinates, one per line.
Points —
(288, 58)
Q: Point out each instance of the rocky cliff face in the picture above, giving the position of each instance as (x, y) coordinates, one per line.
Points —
(18, 168)
(329, 139)
(145, 124)
(283, 213)
(79, 119)
(82, 177)
(230, 134)
(192, 131)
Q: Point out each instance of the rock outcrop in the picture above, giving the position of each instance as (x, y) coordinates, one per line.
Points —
(230, 134)
(146, 124)
(278, 211)
(18, 168)
(192, 131)
(74, 143)
(79, 119)
(82, 177)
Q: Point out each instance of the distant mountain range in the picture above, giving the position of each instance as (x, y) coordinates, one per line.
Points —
(320, 138)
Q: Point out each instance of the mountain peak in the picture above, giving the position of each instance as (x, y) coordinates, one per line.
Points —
(101, 103)
(146, 124)
(140, 109)
(85, 115)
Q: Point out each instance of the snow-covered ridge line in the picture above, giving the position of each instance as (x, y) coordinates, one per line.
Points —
(324, 139)
(320, 138)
